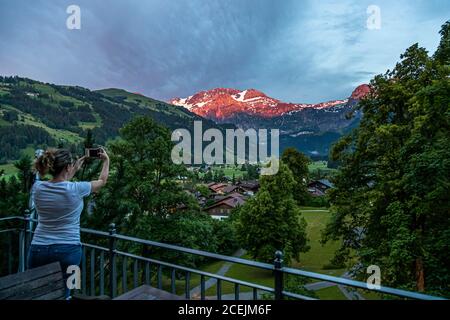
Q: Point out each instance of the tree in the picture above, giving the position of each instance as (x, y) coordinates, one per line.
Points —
(298, 164)
(144, 177)
(26, 176)
(220, 176)
(208, 177)
(442, 53)
(251, 172)
(89, 140)
(14, 192)
(143, 198)
(204, 190)
(272, 220)
(391, 197)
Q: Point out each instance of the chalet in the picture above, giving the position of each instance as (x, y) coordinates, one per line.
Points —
(318, 188)
(315, 192)
(251, 186)
(221, 209)
(217, 187)
(234, 188)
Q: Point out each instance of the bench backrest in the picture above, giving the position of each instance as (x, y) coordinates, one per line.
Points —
(42, 283)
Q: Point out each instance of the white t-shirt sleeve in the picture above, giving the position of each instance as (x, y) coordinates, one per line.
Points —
(83, 189)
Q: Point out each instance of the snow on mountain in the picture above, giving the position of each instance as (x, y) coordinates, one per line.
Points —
(222, 103)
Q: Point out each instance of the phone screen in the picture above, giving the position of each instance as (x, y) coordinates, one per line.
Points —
(93, 153)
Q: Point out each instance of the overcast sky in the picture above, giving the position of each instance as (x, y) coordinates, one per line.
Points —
(293, 50)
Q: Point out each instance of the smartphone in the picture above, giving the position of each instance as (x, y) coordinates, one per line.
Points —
(92, 152)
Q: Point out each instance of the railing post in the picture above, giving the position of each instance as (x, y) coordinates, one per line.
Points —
(278, 273)
(112, 260)
(27, 236)
(23, 243)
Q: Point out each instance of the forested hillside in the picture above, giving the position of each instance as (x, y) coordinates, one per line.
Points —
(35, 114)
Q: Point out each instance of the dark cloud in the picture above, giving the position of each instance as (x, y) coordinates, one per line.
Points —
(300, 51)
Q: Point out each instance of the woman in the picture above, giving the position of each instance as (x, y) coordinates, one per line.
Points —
(59, 203)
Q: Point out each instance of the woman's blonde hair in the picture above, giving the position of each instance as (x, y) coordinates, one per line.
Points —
(53, 161)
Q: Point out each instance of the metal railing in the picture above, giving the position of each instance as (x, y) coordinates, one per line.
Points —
(100, 275)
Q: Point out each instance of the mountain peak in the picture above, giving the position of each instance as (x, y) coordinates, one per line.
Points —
(360, 92)
(220, 104)
(253, 93)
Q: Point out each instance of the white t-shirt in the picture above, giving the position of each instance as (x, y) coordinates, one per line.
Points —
(59, 206)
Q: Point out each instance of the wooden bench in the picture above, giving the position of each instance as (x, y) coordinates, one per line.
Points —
(42, 283)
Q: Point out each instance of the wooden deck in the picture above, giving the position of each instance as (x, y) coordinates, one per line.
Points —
(42, 283)
(146, 292)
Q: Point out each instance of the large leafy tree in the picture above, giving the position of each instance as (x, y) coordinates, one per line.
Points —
(14, 191)
(143, 179)
(272, 220)
(391, 202)
(14, 200)
(144, 199)
(298, 164)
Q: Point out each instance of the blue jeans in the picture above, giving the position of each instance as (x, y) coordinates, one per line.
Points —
(66, 254)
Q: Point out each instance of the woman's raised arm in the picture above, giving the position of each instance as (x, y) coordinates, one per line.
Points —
(96, 185)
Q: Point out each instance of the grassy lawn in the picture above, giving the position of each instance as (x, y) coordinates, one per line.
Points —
(166, 280)
(243, 273)
(314, 260)
(370, 295)
(320, 166)
(331, 293)
(229, 171)
(318, 256)
(194, 280)
(10, 170)
(314, 209)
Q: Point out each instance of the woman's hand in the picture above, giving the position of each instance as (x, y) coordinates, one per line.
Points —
(72, 170)
(101, 182)
(79, 163)
(103, 155)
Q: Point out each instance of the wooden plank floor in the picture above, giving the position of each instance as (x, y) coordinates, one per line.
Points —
(41, 283)
(146, 292)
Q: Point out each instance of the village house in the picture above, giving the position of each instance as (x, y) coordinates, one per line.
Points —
(222, 208)
(234, 188)
(318, 188)
(217, 187)
(250, 187)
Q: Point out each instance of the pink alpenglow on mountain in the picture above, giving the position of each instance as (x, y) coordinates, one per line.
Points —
(360, 92)
(222, 103)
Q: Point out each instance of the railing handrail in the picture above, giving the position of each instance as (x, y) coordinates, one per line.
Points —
(360, 284)
(196, 271)
(256, 264)
(206, 254)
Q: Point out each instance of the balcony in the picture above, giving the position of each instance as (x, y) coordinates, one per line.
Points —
(108, 269)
